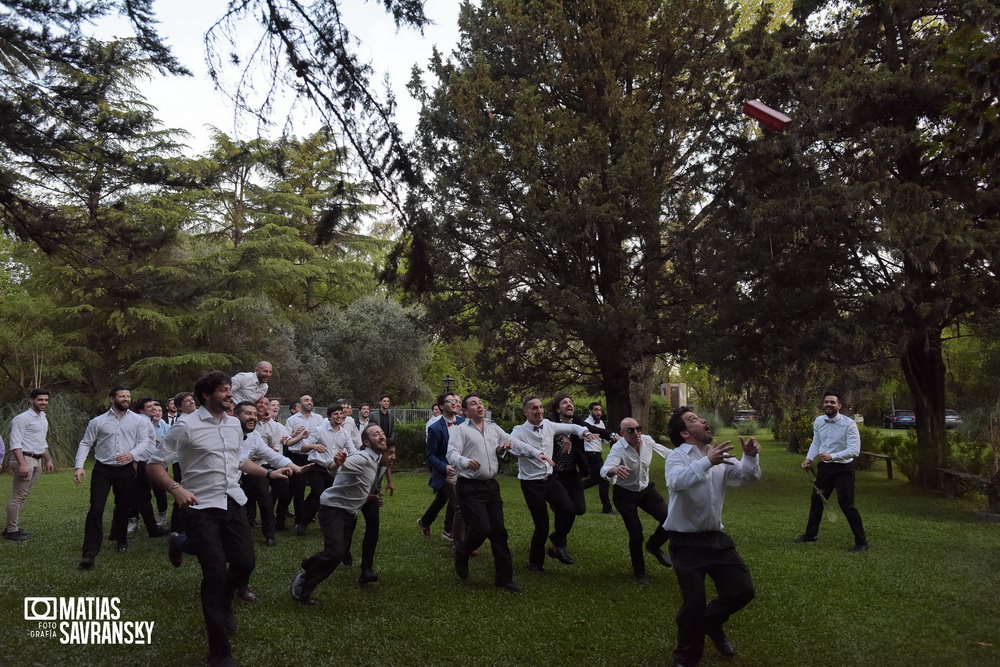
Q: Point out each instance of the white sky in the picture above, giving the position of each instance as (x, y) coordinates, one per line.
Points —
(192, 104)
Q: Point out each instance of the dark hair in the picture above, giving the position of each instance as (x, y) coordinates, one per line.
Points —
(554, 406)
(529, 400)
(140, 405)
(830, 392)
(243, 404)
(365, 438)
(440, 399)
(467, 397)
(179, 398)
(35, 393)
(368, 405)
(336, 407)
(676, 425)
(593, 405)
(208, 383)
(111, 394)
(384, 396)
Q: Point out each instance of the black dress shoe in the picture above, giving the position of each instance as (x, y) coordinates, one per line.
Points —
(87, 563)
(661, 558)
(802, 539)
(641, 579)
(536, 568)
(295, 590)
(509, 586)
(300, 529)
(122, 546)
(15, 536)
(561, 554)
(246, 594)
(159, 532)
(174, 551)
(608, 510)
(722, 643)
(858, 548)
(367, 576)
(232, 625)
(348, 559)
(269, 541)
(462, 565)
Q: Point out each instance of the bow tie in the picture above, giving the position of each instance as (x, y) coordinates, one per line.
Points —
(537, 428)
(450, 424)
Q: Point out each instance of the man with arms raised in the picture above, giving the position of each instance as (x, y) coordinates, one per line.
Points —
(698, 472)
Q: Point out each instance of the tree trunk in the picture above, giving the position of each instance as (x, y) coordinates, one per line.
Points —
(615, 382)
(640, 388)
(924, 368)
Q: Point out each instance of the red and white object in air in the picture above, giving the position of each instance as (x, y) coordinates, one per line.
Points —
(768, 117)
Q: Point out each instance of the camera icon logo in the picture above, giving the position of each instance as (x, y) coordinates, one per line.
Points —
(40, 609)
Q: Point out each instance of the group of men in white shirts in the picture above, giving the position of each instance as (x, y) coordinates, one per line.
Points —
(231, 447)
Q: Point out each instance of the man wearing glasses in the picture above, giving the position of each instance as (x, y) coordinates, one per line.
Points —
(443, 475)
(627, 468)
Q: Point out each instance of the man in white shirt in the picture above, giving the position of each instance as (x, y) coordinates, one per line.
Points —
(593, 451)
(628, 469)
(540, 487)
(276, 436)
(311, 423)
(119, 438)
(836, 443)
(208, 445)
(251, 385)
(322, 453)
(474, 449)
(29, 451)
(698, 472)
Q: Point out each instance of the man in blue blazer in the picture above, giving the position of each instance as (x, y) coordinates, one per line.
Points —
(443, 475)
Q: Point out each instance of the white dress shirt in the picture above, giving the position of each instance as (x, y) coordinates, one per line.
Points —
(539, 438)
(247, 387)
(698, 489)
(467, 442)
(595, 445)
(313, 423)
(209, 451)
(28, 432)
(838, 437)
(334, 441)
(109, 435)
(637, 462)
(254, 445)
(272, 431)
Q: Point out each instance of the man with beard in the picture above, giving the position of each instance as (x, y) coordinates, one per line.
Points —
(836, 443)
(252, 385)
(568, 452)
(119, 438)
(698, 472)
(29, 453)
(208, 445)
(338, 514)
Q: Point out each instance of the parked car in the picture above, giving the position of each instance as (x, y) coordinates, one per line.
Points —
(952, 419)
(900, 419)
(741, 416)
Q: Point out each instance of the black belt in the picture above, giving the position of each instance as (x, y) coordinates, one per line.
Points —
(34, 456)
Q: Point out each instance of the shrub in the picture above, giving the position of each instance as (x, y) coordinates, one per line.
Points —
(410, 446)
(903, 450)
(794, 428)
(748, 427)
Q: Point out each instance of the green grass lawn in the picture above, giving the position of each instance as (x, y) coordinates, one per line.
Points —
(926, 593)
